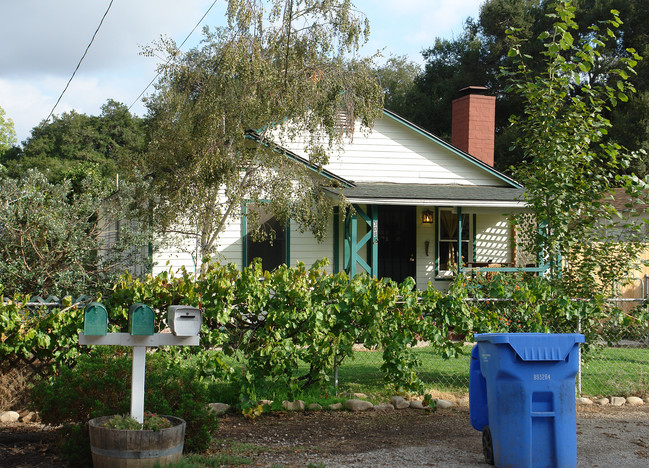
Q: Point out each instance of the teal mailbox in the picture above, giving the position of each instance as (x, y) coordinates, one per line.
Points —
(140, 320)
(95, 319)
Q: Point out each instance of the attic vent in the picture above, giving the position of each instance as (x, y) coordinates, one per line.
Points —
(345, 122)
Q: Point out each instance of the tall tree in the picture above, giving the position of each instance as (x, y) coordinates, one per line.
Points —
(476, 55)
(111, 141)
(571, 165)
(7, 132)
(279, 70)
(53, 235)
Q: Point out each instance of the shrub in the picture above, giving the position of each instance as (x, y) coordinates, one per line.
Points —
(99, 386)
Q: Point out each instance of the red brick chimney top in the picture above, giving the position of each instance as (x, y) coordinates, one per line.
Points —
(474, 123)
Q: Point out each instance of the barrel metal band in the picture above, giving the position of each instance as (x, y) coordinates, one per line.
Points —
(137, 454)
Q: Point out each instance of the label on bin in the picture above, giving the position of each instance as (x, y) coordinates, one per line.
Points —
(541, 377)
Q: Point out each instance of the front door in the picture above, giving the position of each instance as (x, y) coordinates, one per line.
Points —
(397, 242)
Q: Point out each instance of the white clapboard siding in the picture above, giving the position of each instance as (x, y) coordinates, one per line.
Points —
(493, 239)
(393, 152)
(306, 249)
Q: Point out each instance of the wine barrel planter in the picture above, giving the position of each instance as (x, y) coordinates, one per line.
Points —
(117, 448)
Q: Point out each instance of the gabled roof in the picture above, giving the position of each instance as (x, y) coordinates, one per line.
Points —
(453, 149)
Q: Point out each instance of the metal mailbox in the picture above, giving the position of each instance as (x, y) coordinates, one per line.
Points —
(184, 320)
(140, 320)
(95, 319)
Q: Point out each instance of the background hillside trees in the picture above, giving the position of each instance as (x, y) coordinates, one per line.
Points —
(111, 143)
(475, 56)
(7, 132)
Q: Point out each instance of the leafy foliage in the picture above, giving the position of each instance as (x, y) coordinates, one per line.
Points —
(475, 55)
(52, 235)
(99, 383)
(571, 167)
(109, 144)
(7, 132)
(218, 112)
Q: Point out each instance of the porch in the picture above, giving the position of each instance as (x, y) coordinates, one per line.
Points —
(429, 232)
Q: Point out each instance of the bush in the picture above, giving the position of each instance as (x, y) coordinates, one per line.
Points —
(99, 385)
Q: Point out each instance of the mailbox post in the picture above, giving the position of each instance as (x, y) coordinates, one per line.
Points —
(140, 322)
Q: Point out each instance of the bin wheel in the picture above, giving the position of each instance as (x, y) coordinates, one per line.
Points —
(487, 446)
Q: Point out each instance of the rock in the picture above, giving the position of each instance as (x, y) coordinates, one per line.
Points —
(634, 401)
(618, 401)
(357, 396)
(416, 404)
(335, 407)
(297, 405)
(383, 407)
(463, 401)
(602, 401)
(399, 402)
(358, 405)
(219, 408)
(314, 407)
(584, 401)
(9, 416)
(29, 416)
(265, 402)
(444, 404)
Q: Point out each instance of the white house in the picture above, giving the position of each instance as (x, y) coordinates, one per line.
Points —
(421, 205)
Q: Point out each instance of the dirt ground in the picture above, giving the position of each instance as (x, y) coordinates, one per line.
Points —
(607, 436)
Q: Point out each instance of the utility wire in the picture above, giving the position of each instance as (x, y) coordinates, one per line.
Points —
(179, 47)
(79, 64)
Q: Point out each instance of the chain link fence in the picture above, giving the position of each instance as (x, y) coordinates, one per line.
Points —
(607, 368)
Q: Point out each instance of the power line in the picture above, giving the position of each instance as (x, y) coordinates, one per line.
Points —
(180, 47)
(79, 64)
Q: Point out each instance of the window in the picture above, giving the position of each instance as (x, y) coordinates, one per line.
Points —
(448, 240)
(269, 243)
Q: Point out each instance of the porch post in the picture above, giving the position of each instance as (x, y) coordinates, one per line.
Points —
(352, 245)
(459, 239)
(336, 252)
(374, 257)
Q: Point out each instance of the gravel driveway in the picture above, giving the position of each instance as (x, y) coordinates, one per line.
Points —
(611, 437)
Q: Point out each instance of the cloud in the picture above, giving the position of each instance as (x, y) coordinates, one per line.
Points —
(44, 36)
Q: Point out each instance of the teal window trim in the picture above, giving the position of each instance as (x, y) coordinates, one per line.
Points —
(287, 242)
(244, 232)
(474, 249)
(459, 240)
(336, 240)
(436, 249)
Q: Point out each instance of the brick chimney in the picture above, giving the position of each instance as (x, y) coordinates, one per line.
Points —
(474, 123)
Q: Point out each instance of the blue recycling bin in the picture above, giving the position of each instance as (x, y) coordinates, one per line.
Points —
(522, 398)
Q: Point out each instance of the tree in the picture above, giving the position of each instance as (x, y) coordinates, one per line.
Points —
(476, 55)
(53, 238)
(280, 69)
(112, 141)
(571, 166)
(7, 132)
(396, 77)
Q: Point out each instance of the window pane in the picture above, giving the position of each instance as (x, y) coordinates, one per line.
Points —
(272, 252)
(448, 239)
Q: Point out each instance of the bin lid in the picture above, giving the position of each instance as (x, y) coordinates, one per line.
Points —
(535, 346)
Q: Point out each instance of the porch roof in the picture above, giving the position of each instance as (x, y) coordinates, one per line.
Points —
(433, 195)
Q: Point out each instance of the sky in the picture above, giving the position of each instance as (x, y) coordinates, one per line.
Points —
(42, 41)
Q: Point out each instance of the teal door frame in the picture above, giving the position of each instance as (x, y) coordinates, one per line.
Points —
(352, 245)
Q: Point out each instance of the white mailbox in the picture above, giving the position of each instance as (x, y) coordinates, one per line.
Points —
(184, 320)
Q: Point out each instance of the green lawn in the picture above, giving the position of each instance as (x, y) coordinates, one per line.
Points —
(605, 372)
